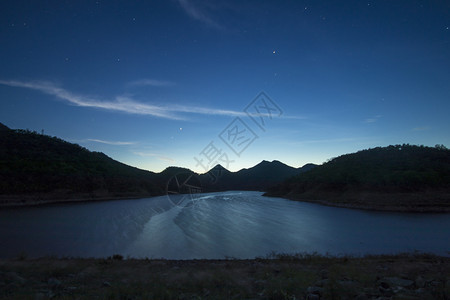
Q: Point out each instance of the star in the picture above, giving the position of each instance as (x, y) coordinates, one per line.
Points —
(274, 52)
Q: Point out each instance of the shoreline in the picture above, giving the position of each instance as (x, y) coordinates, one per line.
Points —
(33, 201)
(19, 201)
(373, 208)
(302, 276)
(344, 201)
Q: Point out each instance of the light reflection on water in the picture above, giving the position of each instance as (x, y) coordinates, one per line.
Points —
(216, 225)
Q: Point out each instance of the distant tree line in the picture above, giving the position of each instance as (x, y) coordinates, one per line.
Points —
(34, 163)
(396, 168)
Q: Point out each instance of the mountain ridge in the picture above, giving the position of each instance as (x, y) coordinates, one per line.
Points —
(398, 177)
(36, 168)
(259, 177)
(39, 169)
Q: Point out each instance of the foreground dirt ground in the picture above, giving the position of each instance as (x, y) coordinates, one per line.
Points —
(406, 276)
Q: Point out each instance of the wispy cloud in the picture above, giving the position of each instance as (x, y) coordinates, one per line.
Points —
(198, 14)
(353, 141)
(424, 128)
(207, 111)
(373, 119)
(121, 103)
(151, 82)
(338, 140)
(116, 143)
(159, 156)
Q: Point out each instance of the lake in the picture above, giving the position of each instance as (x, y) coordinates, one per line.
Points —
(216, 225)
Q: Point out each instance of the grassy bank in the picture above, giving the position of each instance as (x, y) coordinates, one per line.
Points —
(404, 276)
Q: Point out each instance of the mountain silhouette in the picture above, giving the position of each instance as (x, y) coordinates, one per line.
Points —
(400, 177)
(36, 168)
(4, 127)
(258, 178)
(50, 168)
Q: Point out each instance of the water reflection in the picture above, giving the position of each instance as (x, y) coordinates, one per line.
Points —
(217, 225)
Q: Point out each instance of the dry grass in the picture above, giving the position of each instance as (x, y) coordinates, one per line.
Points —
(278, 277)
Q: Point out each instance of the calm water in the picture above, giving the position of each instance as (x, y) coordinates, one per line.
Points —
(216, 225)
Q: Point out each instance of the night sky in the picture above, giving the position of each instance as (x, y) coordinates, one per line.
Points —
(160, 83)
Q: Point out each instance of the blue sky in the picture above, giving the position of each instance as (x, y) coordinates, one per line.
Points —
(160, 83)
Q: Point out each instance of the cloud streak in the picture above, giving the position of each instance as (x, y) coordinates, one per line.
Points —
(160, 157)
(121, 103)
(151, 82)
(338, 140)
(423, 128)
(196, 13)
(372, 120)
(115, 143)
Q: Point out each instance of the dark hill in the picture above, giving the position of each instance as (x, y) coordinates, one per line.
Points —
(266, 174)
(4, 128)
(45, 167)
(36, 168)
(401, 177)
